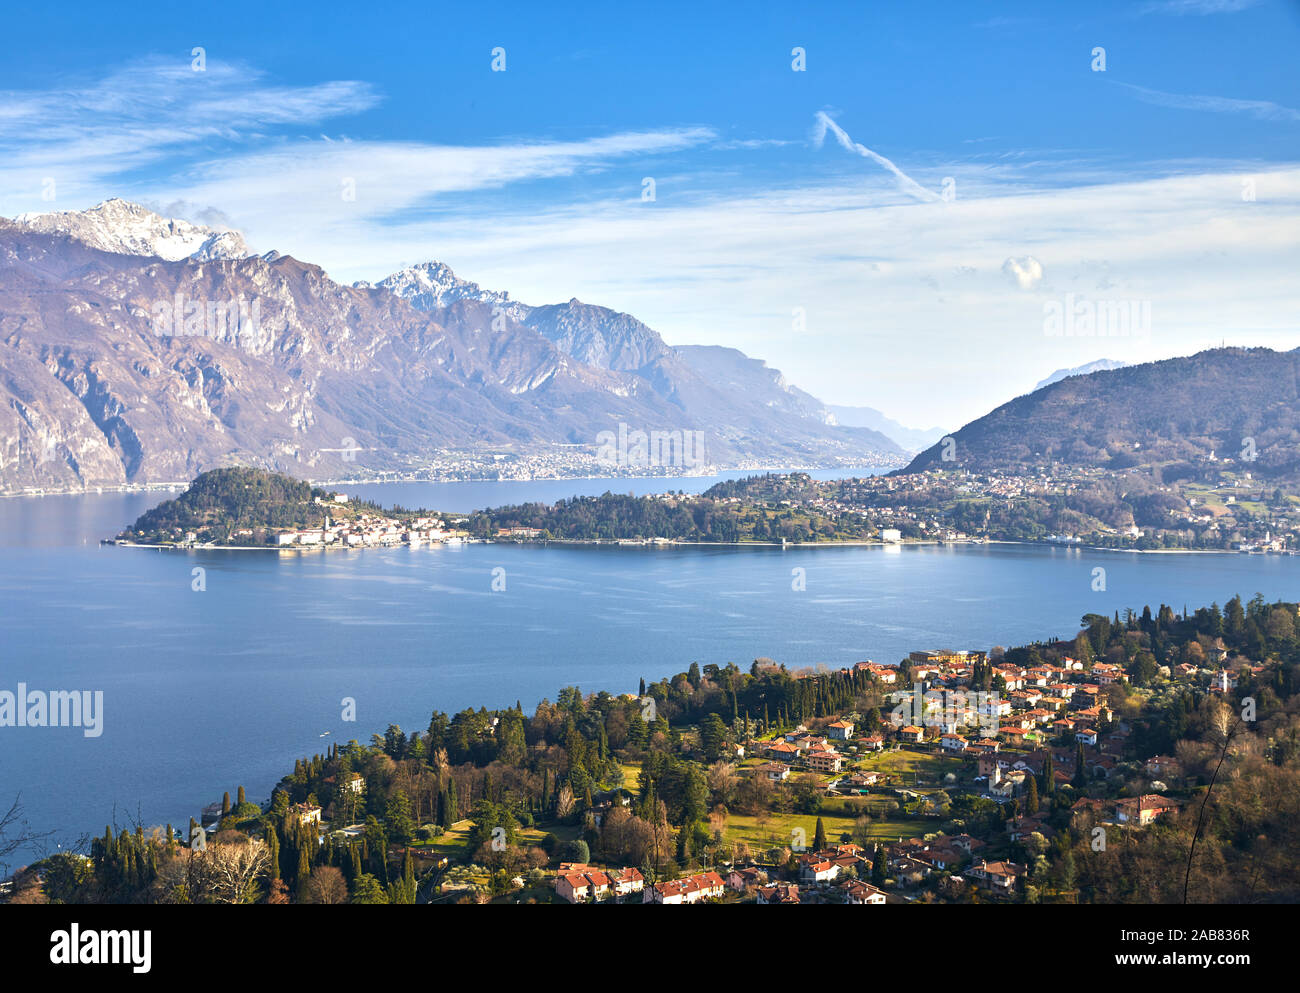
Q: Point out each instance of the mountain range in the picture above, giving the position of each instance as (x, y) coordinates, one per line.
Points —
(1235, 403)
(139, 349)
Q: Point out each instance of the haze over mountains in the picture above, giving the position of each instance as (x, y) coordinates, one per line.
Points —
(913, 439)
(139, 349)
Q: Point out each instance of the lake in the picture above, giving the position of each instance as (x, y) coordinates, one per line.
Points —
(210, 689)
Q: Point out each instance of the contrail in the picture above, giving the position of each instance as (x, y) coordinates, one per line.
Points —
(905, 182)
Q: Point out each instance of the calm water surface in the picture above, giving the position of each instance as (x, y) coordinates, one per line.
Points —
(205, 691)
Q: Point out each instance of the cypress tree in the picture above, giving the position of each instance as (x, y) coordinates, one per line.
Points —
(304, 859)
(273, 844)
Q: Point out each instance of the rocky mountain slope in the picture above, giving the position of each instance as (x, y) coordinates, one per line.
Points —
(129, 229)
(1242, 404)
(118, 367)
(719, 385)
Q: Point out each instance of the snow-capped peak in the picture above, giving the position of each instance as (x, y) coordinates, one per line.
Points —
(432, 286)
(129, 229)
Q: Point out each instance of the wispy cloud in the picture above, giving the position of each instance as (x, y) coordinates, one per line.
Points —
(906, 183)
(231, 139)
(1182, 8)
(148, 111)
(1264, 110)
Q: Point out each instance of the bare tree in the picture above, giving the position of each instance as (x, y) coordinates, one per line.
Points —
(226, 873)
(1226, 726)
(16, 835)
(325, 885)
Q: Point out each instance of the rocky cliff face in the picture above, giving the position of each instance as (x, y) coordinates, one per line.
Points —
(740, 397)
(131, 368)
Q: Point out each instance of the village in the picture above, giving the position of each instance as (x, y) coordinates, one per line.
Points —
(1048, 720)
(365, 530)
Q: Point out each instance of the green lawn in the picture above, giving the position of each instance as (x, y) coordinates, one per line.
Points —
(778, 830)
(913, 768)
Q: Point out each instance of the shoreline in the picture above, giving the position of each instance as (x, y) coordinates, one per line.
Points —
(642, 543)
(102, 490)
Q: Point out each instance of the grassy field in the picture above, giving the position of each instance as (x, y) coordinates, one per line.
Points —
(913, 768)
(778, 830)
(452, 842)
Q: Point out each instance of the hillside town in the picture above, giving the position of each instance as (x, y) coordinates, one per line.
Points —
(1223, 508)
(365, 530)
(1047, 727)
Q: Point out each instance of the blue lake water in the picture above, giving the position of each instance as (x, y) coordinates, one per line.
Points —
(205, 691)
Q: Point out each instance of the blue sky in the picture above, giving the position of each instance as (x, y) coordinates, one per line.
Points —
(799, 216)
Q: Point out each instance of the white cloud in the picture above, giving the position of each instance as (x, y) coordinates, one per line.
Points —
(1264, 110)
(908, 185)
(1026, 272)
(83, 134)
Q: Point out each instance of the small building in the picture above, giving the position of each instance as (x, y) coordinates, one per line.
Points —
(777, 772)
(1143, 810)
(825, 761)
(840, 730)
(307, 813)
(783, 893)
(692, 889)
(1001, 877)
(856, 891)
